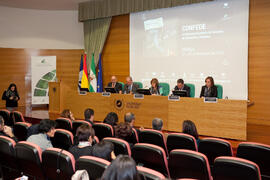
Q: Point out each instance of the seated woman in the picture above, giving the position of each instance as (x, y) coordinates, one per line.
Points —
(155, 89)
(124, 131)
(190, 128)
(209, 89)
(123, 167)
(104, 150)
(111, 119)
(67, 114)
(83, 142)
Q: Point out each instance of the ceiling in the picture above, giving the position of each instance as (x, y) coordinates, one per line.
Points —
(43, 4)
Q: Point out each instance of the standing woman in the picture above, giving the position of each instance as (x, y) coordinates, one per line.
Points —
(11, 96)
(209, 90)
(155, 89)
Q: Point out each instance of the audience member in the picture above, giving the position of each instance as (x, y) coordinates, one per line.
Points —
(89, 116)
(104, 150)
(157, 124)
(67, 114)
(190, 128)
(46, 131)
(122, 168)
(129, 118)
(124, 131)
(111, 119)
(84, 138)
(6, 130)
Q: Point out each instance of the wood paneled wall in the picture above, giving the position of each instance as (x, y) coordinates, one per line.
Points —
(16, 67)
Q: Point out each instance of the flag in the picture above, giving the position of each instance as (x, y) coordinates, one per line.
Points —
(80, 73)
(84, 78)
(99, 82)
(93, 77)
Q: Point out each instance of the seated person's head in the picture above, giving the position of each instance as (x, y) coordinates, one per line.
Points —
(67, 114)
(89, 114)
(85, 133)
(113, 79)
(180, 83)
(190, 128)
(104, 150)
(123, 131)
(130, 118)
(157, 124)
(47, 126)
(2, 123)
(111, 119)
(123, 167)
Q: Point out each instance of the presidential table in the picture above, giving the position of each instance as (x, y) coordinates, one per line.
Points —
(225, 118)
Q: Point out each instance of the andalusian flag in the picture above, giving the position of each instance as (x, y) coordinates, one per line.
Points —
(93, 77)
(84, 75)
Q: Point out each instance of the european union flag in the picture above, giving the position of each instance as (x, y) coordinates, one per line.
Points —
(99, 82)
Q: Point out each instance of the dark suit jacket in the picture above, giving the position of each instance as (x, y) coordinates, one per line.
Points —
(134, 88)
(118, 86)
(186, 88)
(213, 91)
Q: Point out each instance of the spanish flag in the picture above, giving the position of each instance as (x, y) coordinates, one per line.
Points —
(83, 74)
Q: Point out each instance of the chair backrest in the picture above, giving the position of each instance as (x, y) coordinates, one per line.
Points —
(155, 137)
(7, 152)
(134, 138)
(189, 164)
(64, 123)
(93, 165)
(78, 123)
(63, 139)
(149, 174)
(181, 141)
(58, 164)
(235, 168)
(258, 153)
(18, 116)
(103, 130)
(192, 89)
(151, 156)
(165, 88)
(20, 130)
(219, 91)
(122, 84)
(120, 146)
(215, 147)
(6, 115)
(29, 159)
(139, 84)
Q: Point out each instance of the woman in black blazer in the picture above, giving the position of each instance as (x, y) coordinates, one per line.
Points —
(209, 90)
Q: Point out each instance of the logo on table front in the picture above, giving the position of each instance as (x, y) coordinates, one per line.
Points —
(119, 104)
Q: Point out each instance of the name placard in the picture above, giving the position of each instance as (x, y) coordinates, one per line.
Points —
(82, 92)
(106, 94)
(173, 98)
(138, 96)
(210, 100)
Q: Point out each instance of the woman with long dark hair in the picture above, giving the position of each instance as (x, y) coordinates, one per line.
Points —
(190, 128)
(11, 96)
(122, 168)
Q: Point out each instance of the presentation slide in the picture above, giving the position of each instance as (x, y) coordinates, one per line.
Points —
(192, 42)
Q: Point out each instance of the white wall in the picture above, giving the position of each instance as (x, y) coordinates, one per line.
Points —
(40, 29)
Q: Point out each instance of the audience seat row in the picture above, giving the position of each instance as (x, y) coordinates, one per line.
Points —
(11, 117)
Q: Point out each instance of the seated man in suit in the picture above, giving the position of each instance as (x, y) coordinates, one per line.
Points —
(89, 115)
(181, 86)
(130, 87)
(116, 85)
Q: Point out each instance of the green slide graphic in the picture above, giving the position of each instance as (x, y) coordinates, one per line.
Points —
(42, 86)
